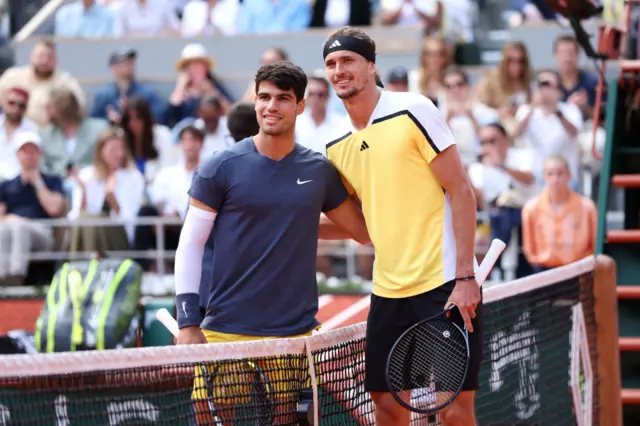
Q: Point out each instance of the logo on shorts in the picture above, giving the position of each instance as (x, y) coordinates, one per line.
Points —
(302, 182)
(335, 44)
(446, 334)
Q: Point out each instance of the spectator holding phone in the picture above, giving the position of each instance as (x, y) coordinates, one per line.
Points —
(550, 126)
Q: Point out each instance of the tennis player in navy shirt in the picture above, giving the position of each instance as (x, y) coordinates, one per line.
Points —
(261, 200)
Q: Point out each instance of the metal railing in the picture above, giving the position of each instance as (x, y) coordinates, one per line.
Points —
(348, 250)
(159, 223)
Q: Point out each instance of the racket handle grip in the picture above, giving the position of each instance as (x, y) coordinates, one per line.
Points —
(482, 271)
(168, 321)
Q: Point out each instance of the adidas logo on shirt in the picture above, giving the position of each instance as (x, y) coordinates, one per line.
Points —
(364, 146)
(335, 44)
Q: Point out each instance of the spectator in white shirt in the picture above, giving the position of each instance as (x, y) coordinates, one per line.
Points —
(169, 194)
(314, 125)
(550, 127)
(212, 122)
(503, 182)
(451, 18)
(145, 18)
(150, 144)
(12, 122)
(428, 13)
(111, 187)
(463, 114)
(209, 17)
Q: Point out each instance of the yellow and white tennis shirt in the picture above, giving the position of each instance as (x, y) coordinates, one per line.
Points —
(407, 212)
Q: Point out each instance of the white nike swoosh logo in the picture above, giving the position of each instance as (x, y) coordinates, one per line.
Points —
(184, 309)
(302, 182)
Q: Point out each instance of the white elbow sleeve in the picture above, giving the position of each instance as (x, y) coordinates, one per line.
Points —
(196, 229)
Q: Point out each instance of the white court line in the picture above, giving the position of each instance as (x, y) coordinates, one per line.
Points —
(324, 300)
(345, 315)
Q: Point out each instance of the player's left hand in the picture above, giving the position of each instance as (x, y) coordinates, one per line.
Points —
(466, 296)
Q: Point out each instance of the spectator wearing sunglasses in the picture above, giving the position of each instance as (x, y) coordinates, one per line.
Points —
(463, 113)
(503, 181)
(548, 126)
(13, 122)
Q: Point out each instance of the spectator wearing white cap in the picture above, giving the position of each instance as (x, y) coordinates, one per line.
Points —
(28, 197)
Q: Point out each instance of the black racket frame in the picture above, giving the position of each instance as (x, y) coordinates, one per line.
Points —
(394, 393)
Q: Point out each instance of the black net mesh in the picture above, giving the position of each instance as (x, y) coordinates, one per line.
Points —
(524, 377)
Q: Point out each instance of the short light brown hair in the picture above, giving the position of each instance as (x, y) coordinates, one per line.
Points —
(66, 105)
(46, 42)
(557, 159)
(565, 38)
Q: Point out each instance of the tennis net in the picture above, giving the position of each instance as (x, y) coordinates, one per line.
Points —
(539, 351)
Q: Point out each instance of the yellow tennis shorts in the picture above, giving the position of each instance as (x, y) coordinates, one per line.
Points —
(233, 382)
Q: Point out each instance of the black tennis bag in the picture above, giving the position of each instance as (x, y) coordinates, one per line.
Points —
(91, 305)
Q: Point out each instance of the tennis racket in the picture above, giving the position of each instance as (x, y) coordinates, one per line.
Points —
(258, 410)
(432, 357)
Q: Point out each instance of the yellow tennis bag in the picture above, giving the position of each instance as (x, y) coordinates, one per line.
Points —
(91, 305)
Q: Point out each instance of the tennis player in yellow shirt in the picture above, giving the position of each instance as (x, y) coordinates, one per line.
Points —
(397, 156)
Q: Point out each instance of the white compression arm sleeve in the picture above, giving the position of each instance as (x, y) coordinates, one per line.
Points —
(196, 229)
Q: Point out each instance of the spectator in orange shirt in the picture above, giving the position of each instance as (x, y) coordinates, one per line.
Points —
(558, 226)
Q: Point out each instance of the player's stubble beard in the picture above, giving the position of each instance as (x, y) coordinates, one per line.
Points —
(354, 91)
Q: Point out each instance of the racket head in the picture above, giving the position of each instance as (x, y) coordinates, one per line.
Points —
(431, 358)
(243, 389)
(261, 407)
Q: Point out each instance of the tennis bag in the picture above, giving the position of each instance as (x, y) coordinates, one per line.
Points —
(91, 305)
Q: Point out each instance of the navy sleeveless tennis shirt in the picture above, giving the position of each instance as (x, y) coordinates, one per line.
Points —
(262, 277)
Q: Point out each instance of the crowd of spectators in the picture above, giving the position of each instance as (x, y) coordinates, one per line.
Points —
(130, 152)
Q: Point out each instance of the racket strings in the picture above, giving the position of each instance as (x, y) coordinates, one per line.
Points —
(431, 360)
(241, 390)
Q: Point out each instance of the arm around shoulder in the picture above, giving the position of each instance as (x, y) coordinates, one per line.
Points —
(344, 219)
(345, 222)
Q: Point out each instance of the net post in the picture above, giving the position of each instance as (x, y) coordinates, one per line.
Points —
(608, 363)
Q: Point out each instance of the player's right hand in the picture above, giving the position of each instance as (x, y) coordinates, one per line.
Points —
(190, 336)
(466, 297)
